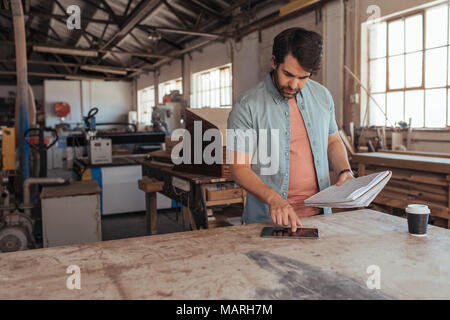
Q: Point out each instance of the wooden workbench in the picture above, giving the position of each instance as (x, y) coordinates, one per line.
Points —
(194, 201)
(236, 263)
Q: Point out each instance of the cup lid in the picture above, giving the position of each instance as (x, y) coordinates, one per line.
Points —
(418, 209)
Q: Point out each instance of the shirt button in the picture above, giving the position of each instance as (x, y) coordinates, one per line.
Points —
(287, 113)
(287, 133)
(287, 174)
(287, 153)
(284, 193)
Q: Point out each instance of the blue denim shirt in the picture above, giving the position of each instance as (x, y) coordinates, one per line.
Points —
(263, 107)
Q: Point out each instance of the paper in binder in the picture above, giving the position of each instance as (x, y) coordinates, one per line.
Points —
(359, 192)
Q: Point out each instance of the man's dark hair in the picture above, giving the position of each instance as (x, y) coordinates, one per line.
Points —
(306, 46)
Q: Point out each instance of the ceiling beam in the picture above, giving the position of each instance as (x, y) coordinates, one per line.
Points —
(60, 75)
(71, 64)
(275, 17)
(112, 14)
(61, 61)
(140, 11)
(93, 52)
(193, 33)
(210, 11)
(128, 7)
(176, 13)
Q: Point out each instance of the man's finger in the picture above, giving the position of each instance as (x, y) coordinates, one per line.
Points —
(274, 219)
(279, 219)
(293, 218)
(285, 218)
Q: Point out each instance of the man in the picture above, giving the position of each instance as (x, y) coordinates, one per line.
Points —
(303, 112)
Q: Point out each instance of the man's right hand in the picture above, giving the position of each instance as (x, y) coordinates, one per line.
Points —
(282, 213)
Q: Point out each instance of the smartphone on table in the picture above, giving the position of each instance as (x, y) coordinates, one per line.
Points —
(281, 232)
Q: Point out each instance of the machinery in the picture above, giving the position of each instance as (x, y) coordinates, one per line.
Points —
(16, 222)
(168, 117)
(15, 228)
(100, 151)
(100, 143)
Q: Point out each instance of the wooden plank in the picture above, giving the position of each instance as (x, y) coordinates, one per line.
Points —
(448, 178)
(419, 195)
(421, 187)
(223, 202)
(401, 201)
(148, 185)
(236, 263)
(413, 176)
(231, 193)
(419, 153)
(77, 188)
(420, 163)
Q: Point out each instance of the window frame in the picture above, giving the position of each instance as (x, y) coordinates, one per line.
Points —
(140, 104)
(402, 17)
(198, 95)
(168, 82)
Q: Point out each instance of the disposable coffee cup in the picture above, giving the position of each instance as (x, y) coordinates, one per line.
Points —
(418, 215)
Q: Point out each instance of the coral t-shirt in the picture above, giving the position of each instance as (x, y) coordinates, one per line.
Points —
(302, 174)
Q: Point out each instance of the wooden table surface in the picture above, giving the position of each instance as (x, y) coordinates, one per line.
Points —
(236, 263)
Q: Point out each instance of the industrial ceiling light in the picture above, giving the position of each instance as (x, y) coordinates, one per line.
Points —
(154, 36)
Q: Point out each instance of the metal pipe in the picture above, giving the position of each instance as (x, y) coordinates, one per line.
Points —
(22, 85)
(6, 197)
(27, 192)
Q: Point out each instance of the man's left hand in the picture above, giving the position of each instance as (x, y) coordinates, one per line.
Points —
(344, 177)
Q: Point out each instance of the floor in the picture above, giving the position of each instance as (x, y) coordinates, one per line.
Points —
(129, 225)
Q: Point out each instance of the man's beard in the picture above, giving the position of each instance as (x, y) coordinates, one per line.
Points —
(283, 90)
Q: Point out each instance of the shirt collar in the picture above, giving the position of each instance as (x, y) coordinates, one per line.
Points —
(275, 94)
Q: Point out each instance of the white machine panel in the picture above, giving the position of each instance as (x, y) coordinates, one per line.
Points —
(121, 193)
(120, 190)
(100, 151)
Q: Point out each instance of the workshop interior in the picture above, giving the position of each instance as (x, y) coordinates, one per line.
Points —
(95, 96)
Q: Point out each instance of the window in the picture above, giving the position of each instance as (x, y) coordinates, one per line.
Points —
(169, 86)
(212, 88)
(408, 69)
(146, 102)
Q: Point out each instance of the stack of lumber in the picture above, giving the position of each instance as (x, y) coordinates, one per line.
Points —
(210, 118)
(415, 179)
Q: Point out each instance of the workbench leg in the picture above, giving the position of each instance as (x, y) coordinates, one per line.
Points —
(151, 213)
(187, 216)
